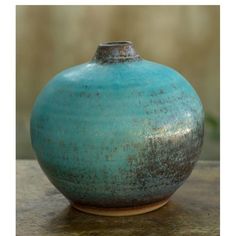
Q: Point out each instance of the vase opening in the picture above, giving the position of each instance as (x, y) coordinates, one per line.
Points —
(115, 52)
(115, 43)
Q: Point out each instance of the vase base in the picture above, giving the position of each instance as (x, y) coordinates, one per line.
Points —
(126, 211)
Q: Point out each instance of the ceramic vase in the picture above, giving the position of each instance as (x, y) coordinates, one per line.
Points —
(119, 134)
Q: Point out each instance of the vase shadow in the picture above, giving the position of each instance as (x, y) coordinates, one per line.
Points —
(163, 220)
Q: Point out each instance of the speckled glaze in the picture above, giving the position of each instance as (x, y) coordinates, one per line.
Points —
(119, 131)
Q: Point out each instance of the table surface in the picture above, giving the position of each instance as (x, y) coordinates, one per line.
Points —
(42, 210)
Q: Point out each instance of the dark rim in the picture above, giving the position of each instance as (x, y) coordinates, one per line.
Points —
(115, 52)
(115, 43)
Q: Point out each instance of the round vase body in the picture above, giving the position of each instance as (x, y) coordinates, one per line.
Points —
(117, 132)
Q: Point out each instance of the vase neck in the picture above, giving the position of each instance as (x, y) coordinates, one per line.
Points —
(115, 52)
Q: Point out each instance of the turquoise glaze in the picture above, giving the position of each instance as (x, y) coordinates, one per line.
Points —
(117, 133)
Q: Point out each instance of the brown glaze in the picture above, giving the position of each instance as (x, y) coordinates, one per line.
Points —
(114, 52)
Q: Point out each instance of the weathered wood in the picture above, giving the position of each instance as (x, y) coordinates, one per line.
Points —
(42, 210)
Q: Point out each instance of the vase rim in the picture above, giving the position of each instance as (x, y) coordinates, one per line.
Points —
(115, 43)
(115, 52)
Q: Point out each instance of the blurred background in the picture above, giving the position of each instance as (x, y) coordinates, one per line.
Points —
(52, 38)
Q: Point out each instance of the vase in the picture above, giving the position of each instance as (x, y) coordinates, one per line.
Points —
(117, 135)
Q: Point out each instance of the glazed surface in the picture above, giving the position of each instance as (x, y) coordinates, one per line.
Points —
(117, 135)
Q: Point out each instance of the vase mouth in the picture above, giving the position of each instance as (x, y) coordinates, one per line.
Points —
(115, 43)
(115, 52)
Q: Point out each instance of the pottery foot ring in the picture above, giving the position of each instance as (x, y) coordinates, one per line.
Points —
(126, 211)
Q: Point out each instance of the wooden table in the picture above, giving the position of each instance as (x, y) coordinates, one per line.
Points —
(42, 210)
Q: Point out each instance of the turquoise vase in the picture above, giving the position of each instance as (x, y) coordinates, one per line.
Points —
(117, 135)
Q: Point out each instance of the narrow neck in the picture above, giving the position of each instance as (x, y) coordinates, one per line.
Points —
(115, 52)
